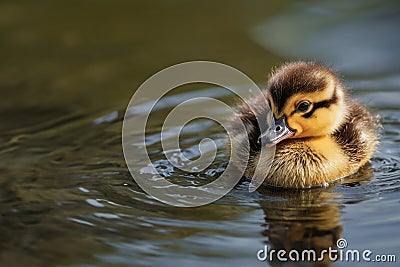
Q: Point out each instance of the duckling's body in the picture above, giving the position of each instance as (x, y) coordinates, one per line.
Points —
(322, 134)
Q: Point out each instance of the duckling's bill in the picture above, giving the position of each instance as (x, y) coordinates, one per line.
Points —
(278, 132)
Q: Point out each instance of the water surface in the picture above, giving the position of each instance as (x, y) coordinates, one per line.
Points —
(67, 73)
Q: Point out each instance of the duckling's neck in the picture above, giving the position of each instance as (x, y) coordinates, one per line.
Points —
(342, 110)
(326, 146)
(312, 162)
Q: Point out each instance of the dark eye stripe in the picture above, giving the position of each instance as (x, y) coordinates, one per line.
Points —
(321, 104)
(269, 103)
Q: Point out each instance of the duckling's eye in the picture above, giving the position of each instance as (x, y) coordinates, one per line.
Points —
(303, 106)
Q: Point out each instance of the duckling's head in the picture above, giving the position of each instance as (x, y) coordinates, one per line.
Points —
(307, 100)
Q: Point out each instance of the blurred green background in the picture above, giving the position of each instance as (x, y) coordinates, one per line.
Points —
(94, 54)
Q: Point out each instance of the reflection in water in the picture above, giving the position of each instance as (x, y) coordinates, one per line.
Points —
(302, 220)
(305, 219)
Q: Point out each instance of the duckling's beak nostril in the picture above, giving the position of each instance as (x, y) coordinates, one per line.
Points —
(276, 133)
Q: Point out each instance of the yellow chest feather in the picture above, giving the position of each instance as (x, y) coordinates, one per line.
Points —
(306, 162)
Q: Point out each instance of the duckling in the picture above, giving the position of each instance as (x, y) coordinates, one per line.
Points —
(320, 133)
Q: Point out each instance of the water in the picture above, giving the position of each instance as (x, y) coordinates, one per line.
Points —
(67, 73)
